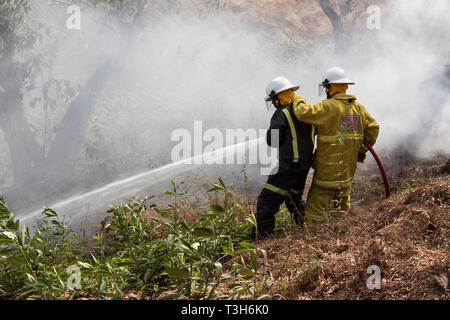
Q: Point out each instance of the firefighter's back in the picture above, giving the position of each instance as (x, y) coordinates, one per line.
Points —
(339, 138)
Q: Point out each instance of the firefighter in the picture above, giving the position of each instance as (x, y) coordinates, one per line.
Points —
(341, 123)
(295, 143)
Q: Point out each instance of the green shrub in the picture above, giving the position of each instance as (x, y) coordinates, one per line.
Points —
(159, 255)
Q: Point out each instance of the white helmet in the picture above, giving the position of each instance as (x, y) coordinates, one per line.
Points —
(334, 75)
(277, 85)
(337, 75)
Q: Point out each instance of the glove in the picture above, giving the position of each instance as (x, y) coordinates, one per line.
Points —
(299, 214)
(361, 157)
(299, 98)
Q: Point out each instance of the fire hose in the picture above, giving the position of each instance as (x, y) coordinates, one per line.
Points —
(380, 165)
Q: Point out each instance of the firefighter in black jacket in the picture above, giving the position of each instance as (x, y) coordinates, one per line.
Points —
(295, 149)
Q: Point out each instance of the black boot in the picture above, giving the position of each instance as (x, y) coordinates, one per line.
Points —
(298, 218)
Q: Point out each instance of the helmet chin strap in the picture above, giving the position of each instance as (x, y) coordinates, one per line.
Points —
(275, 100)
(324, 86)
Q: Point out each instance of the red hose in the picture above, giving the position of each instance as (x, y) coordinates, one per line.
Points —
(380, 165)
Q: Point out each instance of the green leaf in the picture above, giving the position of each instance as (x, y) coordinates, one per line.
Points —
(94, 258)
(234, 286)
(13, 224)
(30, 278)
(225, 249)
(101, 272)
(210, 214)
(150, 273)
(84, 265)
(215, 188)
(187, 249)
(9, 235)
(236, 252)
(247, 245)
(6, 250)
(116, 245)
(205, 274)
(283, 287)
(16, 259)
(253, 262)
(204, 232)
(39, 252)
(49, 212)
(216, 208)
(177, 273)
(264, 252)
(219, 268)
(24, 232)
(246, 272)
(5, 240)
(183, 226)
(101, 286)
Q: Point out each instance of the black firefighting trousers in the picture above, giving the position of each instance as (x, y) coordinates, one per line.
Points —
(284, 186)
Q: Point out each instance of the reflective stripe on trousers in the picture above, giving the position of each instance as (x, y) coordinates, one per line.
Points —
(275, 189)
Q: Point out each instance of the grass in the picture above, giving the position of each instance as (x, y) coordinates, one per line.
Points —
(138, 255)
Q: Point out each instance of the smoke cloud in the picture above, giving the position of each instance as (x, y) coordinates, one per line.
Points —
(179, 69)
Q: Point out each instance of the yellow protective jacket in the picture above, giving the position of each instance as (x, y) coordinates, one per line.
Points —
(341, 125)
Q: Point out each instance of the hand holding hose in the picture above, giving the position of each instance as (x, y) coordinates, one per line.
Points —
(361, 157)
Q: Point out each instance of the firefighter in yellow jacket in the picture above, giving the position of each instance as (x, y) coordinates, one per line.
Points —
(341, 124)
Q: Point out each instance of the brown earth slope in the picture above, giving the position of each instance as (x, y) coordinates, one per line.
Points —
(407, 236)
(294, 27)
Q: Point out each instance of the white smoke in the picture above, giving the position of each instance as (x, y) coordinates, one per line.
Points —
(179, 70)
(400, 76)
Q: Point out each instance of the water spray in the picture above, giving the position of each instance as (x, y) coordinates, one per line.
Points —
(96, 201)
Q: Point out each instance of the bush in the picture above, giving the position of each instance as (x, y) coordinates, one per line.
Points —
(155, 256)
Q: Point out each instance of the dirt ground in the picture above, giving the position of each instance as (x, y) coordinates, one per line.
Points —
(406, 236)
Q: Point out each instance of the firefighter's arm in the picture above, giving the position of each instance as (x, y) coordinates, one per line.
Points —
(371, 129)
(276, 123)
(314, 114)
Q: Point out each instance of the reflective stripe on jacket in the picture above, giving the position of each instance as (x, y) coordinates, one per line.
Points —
(296, 143)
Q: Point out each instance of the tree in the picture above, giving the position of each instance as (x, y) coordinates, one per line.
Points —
(30, 165)
(15, 36)
(343, 15)
(66, 145)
